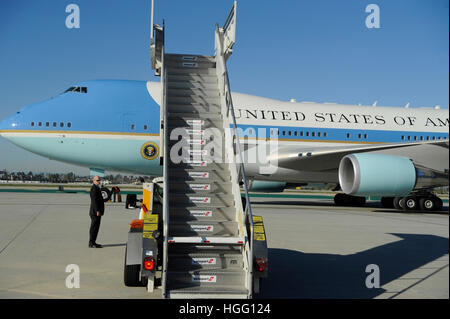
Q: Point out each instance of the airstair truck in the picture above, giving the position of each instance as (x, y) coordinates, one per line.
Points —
(196, 231)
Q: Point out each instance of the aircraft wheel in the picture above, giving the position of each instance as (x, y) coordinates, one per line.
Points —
(396, 203)
(427, 204)
(339, 199)
(387, 202)
(401, 203)
(411, 203)
(439, 203)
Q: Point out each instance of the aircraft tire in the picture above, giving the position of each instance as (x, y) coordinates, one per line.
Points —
(387, 202)
(411, 203)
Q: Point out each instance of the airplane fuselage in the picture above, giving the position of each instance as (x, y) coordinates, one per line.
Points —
(107, 125)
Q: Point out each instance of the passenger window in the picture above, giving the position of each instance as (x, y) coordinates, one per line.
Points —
(133, 126)
(40, 124)
(32, 123)
(47, 124)
(69, 124)
(145, 127)
(54, 124)
(61, 124)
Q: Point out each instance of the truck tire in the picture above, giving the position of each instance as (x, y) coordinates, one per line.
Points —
(106, 194)
(131, 274)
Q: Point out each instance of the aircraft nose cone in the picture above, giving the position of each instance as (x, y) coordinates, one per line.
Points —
(8, 124)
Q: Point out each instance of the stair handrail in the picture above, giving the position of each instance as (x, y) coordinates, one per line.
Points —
(165, 149)
(227, 107)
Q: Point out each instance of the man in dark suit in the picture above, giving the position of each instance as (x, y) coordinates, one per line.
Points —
(96, 212)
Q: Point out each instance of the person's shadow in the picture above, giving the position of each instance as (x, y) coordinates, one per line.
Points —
(293, 274)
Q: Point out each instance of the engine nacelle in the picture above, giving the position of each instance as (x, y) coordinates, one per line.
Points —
(266, 186)
(377, 175)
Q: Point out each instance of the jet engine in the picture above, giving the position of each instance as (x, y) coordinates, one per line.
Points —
(384, 175)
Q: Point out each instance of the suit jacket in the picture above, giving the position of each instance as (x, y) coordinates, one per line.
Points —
(97, 203)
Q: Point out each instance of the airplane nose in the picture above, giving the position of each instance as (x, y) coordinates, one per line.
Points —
(9, 123)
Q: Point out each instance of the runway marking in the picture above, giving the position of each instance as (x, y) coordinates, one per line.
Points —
(26, 226)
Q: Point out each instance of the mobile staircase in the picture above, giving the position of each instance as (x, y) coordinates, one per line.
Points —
(210, 248)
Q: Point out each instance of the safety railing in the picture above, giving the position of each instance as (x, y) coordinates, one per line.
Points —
(238, 173)
(165, 132)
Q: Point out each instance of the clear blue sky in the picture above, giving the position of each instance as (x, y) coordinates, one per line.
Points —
(310, 50)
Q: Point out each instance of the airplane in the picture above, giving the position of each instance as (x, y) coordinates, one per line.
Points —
(398, 153)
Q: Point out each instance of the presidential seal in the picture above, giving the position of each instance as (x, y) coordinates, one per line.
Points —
(149, 150)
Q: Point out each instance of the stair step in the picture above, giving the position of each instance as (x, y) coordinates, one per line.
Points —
(212, 199)
(195, 115)
(194, 107)
(205, 279)
(194, 99)
(195, 122)
(211, 260)
(191, 71)
(193, 77)
(191, 84)
(220, 292)
(202, 228)
(199, 188)
(193, 63)
(203, 214)
(188, 58)
(181, 174)
(203, 165)
(186, 92)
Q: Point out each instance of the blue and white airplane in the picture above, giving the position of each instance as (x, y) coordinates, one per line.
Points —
(368, 150)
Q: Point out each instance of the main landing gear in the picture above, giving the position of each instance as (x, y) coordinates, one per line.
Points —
(420, 201)
(342, 199)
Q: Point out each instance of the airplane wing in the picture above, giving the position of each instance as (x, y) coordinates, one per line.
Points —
(327, 158)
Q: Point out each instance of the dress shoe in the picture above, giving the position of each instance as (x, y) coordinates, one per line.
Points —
(95, 245)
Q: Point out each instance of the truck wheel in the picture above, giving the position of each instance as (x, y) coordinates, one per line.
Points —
(131, 274)
(106, 194)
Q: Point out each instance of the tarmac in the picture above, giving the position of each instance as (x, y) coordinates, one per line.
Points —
(316, 250)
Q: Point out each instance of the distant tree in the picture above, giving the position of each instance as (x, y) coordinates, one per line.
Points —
(69, 177)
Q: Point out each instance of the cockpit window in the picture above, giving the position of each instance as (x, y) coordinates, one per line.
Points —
(79, 89)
